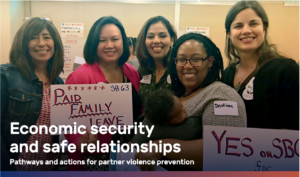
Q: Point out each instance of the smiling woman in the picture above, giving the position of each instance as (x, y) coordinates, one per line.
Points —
(195, 70)
(154, 44)
(106, 52)
(36, 60)
(41, 47)
(110, 47)
(263, 77)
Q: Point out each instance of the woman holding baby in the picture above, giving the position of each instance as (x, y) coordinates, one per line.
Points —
(195, 67)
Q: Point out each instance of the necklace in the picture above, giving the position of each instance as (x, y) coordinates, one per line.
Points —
(238, 86)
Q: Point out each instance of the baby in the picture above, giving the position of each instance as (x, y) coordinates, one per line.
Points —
(169, 117)
(162, 107)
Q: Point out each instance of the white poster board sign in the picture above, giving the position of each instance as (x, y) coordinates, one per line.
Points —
(94, 104)
(200, 30)
(72, 48)
(72, 30)
(250, 149)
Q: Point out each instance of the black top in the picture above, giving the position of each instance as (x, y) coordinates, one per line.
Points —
(275, 102)
(136, 103)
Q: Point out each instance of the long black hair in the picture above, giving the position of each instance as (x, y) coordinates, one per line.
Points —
(147, 64)
(92, 42)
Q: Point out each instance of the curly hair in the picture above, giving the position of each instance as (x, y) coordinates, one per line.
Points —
(210, 48)
(158, 106)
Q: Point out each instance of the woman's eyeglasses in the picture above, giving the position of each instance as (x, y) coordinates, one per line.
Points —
(196, 61)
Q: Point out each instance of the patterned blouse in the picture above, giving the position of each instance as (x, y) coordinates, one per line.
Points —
(44, 119)
(148, 84)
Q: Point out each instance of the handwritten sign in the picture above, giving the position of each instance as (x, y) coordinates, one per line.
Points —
(72, 49)
(250, 149)
(200, 30)
(72, 30)
(94, 104)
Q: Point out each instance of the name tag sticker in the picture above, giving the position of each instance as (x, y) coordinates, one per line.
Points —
(146, 79)
(248, 92)
(228, 108)
(169, 79)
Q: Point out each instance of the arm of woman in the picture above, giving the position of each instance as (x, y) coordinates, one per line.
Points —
(289, 95)
(193, 150)
(233, 116)
(4, 106)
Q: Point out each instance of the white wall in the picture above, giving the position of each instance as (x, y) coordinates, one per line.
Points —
(5, 31)
(132, 16)
(283, 31)
(16, 17)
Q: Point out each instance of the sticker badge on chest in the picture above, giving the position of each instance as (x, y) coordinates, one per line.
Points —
(146, 79)
(169, 79)
(248, 92)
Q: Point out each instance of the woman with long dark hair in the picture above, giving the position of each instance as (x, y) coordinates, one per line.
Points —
(36, 60)
(153, 49)
(267, 81)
